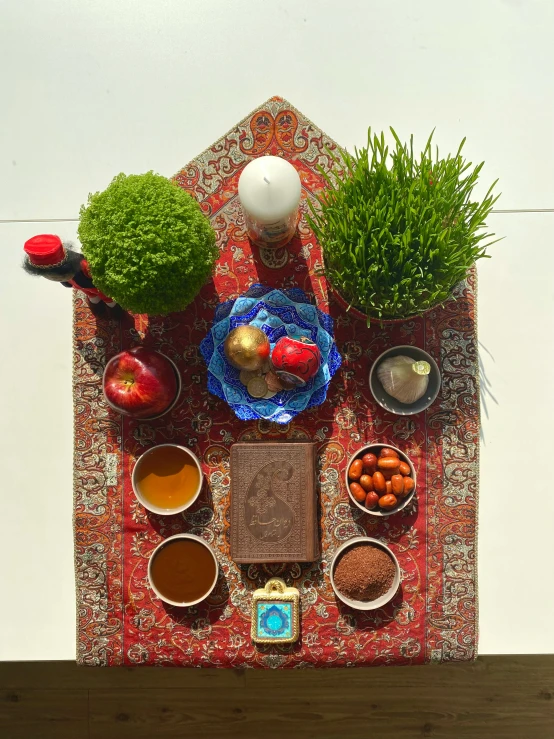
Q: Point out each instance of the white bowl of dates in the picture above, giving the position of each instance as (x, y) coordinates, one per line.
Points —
(365, 574)
(380, 479)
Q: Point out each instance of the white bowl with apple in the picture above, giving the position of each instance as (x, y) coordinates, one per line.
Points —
(141, 383)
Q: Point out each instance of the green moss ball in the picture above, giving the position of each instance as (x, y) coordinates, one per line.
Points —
(148, 244)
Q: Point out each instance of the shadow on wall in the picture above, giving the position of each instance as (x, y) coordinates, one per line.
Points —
(485, 391)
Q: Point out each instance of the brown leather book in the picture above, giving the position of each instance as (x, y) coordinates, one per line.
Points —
(273, 502)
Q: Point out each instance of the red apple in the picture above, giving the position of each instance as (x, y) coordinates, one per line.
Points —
(140, 383)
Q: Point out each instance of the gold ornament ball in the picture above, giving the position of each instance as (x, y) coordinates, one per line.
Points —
(247, 347)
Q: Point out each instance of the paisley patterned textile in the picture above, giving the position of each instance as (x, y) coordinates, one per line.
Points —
(434, 614)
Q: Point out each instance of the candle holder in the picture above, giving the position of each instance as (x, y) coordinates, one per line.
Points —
(271, 235)
(269, 192)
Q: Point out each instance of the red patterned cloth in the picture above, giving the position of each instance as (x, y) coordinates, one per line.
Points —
(433, 616)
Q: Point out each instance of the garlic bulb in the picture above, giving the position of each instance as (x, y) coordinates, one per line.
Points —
(404, 378)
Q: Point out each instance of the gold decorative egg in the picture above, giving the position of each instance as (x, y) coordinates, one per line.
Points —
(247, 347)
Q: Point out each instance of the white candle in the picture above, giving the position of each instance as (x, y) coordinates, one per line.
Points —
(269, 192)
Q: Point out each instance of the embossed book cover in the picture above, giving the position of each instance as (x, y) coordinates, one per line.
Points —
(273, 502)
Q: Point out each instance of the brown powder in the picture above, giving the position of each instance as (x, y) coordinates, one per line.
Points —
(364, 572)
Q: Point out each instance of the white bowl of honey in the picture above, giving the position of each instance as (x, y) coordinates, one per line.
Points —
(167, 479)
(183, 570)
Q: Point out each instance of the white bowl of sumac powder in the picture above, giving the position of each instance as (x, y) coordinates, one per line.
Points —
(365, 574)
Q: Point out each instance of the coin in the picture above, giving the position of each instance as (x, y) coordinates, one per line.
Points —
(269, 394)
(273, 382)
(257, 387)
(288, 383)
(246, 375)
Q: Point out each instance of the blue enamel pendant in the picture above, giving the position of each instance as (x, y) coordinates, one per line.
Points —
(275, 613)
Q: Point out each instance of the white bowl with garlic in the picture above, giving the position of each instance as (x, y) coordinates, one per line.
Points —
(405, 380)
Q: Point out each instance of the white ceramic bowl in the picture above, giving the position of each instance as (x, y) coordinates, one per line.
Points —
(366, 605)
(375, 449)
(146, 503)
(163, 544)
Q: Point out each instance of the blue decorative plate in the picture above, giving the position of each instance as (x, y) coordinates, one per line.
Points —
(278, 313)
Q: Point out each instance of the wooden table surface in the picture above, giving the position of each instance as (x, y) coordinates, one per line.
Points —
(493, 698)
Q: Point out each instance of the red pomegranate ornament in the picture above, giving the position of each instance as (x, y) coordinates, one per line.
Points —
(295, 360)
